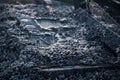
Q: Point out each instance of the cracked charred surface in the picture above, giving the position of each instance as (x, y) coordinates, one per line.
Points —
(48, 34)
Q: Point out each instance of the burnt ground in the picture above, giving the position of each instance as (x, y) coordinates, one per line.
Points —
(38, 37)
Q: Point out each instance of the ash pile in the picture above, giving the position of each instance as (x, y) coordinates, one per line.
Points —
(47, 42)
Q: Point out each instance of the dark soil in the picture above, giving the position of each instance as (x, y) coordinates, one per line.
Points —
(112, 7)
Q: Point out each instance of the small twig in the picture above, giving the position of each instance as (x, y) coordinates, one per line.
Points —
(80, 68)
